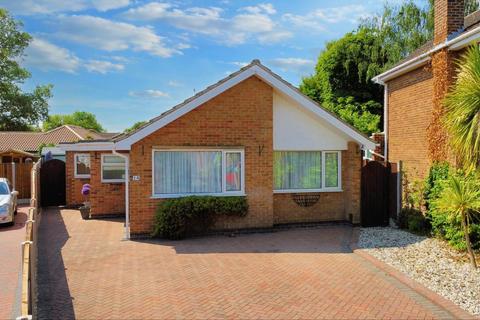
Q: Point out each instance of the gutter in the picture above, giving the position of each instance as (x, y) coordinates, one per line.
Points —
(127, 200)
(454, 44)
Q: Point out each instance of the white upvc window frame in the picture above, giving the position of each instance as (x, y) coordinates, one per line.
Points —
(103, 155)
(81, 176)
(224, 192)
(323, 188)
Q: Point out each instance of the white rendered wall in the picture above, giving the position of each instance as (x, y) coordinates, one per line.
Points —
(295, 128)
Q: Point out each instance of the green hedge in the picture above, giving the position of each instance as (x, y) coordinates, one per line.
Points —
(181, 217)
(442, 226)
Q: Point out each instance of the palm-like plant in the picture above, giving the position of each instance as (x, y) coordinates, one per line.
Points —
(462, 109)
(460, 199)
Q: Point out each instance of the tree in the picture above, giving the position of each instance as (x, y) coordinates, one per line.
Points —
(462, 110)
(460, 199)
(346, 66)
(83, 119)
(18, 110)
(135, 126)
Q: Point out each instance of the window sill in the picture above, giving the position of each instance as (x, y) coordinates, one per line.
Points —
(182, 195)
(113, 181)
(308, 190)
(82, 177)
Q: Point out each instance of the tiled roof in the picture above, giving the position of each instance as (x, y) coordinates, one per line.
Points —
(31, 141)
(213, 86)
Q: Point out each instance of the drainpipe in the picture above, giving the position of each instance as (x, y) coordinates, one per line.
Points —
(127, 202)
(385, 122)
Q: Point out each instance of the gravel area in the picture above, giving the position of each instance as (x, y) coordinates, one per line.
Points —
(429, 261)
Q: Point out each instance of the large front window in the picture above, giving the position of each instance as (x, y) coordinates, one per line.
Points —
(188, 172)
(303, 171)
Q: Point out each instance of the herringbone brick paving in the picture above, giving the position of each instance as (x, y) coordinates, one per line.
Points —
(88, 272)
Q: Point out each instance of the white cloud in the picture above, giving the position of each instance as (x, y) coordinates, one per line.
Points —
(103, 67)
(105, 5)
(30, 7)
(317, 19)
(297, 65)
(174, 83)
(47, 56)
(253, 22)
(109, 35)
(150, 93)
(260, 8)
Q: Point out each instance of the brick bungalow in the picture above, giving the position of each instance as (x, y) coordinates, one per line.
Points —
(416, 86)
(251, 134)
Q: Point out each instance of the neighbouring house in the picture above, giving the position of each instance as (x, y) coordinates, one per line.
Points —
(416, 86)
(251, 134)
(19, 146)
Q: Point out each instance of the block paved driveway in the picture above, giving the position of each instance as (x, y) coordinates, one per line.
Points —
(86, 271)
(11, 264)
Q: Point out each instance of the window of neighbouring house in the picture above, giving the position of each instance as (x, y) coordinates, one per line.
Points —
(304, 171)
(188, 172)
(82, 165)
(113, 168)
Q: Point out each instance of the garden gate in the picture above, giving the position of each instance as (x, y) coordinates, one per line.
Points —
(52, 183)
(379, 193)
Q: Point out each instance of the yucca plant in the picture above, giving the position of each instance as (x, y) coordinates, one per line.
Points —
(462, 110)
(460, 199)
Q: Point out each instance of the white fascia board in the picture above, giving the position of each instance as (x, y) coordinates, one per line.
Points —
(409, 66)
(454, 44)
(313, 107)
(148, 130)
(93, 146)
(464, 40)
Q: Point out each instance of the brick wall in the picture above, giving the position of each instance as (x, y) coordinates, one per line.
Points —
(105, 198)
(410, 108)
(241, 116)
(73, 185)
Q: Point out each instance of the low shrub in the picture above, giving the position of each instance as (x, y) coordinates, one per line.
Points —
(180, 217)
(413, 220)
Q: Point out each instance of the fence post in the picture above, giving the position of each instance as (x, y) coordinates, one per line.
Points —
(399, 188)
(14, 176)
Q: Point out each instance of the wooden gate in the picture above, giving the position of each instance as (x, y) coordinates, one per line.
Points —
(19, 176)
(52, 183)
(375, 194)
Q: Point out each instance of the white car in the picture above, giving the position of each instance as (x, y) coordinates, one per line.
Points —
(8, 202)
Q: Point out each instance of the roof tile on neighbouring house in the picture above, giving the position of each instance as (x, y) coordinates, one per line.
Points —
(31, 141)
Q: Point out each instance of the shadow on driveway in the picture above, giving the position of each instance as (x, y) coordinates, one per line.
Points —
(54, 299)
(319, 239)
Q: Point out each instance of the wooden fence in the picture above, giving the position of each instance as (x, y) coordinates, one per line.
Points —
(29, 248)
(19, 176)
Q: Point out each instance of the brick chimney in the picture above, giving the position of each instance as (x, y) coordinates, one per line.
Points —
(448, 18)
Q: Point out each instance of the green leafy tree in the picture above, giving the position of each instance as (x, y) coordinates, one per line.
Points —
(346, 66)
(135, 126)
(19, 110)
(460, 199)
(462, 110)
(83, 119)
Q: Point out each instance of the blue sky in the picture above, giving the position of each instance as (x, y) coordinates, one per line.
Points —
(129, 60)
